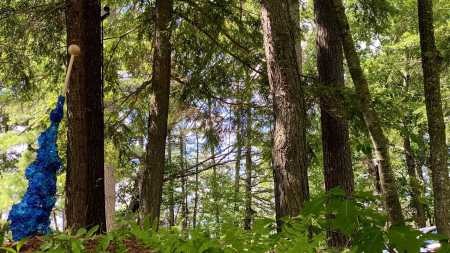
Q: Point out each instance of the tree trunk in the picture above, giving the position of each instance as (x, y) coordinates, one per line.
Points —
(159, 109)
(237, 169)
(419, 213)
(110, 197)
(289, 146)
(436, 128)
(215, 185)
(194, 216)
(379, 140)
(85, 194)
(171, 182)
(294, 12)
(374, 174)
(184, 203)
(55, 220)
(337, 160)
(248, 172)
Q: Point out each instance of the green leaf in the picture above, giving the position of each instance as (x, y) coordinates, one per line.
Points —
(76, 246)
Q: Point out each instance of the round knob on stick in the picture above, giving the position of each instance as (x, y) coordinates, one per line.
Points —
(74, 50)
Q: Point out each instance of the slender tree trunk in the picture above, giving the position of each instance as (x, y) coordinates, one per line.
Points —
(237, 170)
(85, 194)
(248, 172)
(436, 127)
(372, 168)
(194, 217)
(215, 185)
(289, 147)
(379, 140)
(337, 160)
(110, 197)
(55, 220)
(159, 109)
(419, 212)
(171, 182)
(184, 203)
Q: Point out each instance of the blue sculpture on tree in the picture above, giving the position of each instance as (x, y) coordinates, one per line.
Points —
(32, 215)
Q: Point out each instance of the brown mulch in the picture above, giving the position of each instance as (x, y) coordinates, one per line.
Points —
(33, 244)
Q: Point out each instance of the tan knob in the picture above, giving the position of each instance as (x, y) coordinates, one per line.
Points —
(74, 50)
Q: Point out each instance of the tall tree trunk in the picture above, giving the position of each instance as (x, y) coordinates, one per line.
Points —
(184, 203)
(436, 128)
(194, 216)
(419, 212)
(379, 140)
(237, 168)
(171, 182)
(159, 110)
(337, 160)
(248, 172)
(85, 191)
(289, 146)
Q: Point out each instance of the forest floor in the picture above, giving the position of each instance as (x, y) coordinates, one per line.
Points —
(34, 244)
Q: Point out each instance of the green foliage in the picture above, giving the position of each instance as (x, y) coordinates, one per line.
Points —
(354, 216)
(68, 242)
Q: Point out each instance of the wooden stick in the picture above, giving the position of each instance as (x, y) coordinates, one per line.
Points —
(74, 51)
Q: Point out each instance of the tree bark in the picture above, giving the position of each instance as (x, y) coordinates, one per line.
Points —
(294, 12)
(194, 216)
(289, 147)
(337, 160)
(184, 194)
(431, 64)
(379, 140)
(419, 212)
(85, 194)
(171, 183)
(372, 168)
(248, 172)
(214, 182)
(159, 109)
(110, 197)
(237, 169)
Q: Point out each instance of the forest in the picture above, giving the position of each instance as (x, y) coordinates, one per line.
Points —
(222, 126)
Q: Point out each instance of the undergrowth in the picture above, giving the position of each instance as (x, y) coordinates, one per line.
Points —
(355, 217)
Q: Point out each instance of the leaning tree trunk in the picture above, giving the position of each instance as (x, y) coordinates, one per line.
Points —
(85, 191)
(159, 109)
(436, 127)
(414, 183)
(379, 140)
(248, 172)
(337, 160)
(289, 146)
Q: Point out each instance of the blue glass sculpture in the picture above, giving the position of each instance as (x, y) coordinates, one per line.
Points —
(31, 216)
